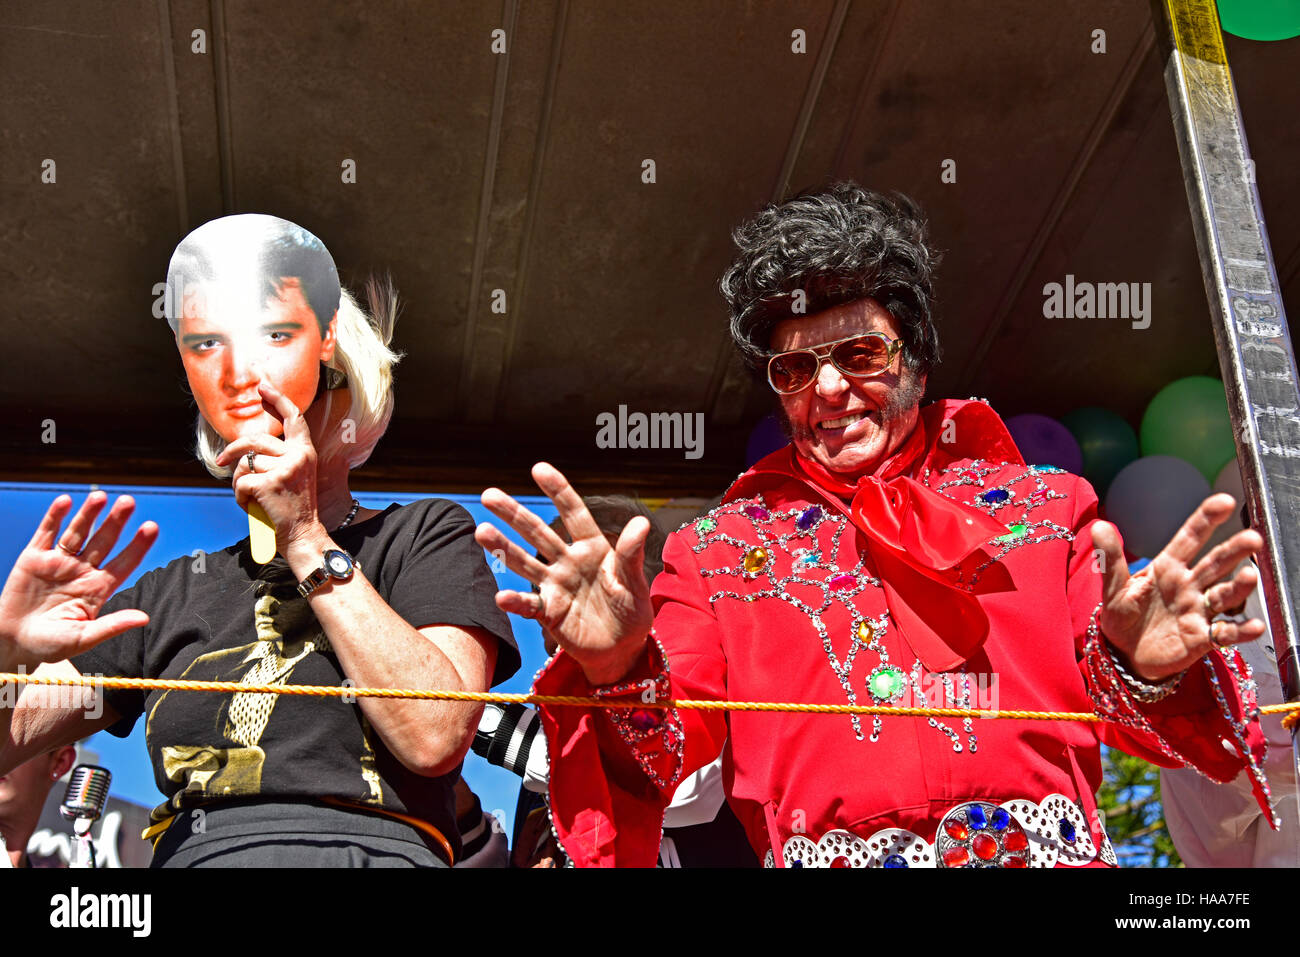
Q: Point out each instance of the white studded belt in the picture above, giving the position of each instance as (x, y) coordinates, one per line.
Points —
(1019, 833)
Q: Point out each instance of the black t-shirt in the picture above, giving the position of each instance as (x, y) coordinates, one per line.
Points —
(221, 617)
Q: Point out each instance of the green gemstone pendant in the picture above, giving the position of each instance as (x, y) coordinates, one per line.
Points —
(886, 683)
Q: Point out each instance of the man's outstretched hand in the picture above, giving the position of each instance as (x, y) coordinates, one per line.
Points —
(591, 596)
(1159, 619)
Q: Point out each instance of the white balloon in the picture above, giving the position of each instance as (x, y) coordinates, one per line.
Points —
(1229, 480)
(1150, 499)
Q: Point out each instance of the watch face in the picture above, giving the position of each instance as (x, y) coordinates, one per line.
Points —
(338, 563)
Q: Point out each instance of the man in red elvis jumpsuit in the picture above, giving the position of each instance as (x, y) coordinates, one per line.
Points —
(891, 555)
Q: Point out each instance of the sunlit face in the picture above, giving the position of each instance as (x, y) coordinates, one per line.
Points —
(23, 789)
(226, 350)
(845, 424)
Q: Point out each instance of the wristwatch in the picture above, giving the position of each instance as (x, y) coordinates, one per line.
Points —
(338, 566)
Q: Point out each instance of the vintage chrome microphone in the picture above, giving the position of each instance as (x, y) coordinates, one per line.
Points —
(82, 804)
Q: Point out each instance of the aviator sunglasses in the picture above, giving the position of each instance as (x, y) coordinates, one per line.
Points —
(861, 357)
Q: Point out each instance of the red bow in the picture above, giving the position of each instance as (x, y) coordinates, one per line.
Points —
(916, 537)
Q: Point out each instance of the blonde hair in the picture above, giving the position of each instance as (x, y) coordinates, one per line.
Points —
(362, 354)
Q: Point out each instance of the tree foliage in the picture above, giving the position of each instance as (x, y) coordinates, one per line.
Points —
(1129, 800)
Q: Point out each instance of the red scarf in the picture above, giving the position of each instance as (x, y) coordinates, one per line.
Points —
(916, 537)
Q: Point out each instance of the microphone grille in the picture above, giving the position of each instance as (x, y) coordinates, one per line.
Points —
(87, 792)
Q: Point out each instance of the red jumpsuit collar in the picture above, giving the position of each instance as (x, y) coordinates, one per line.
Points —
(915, 536)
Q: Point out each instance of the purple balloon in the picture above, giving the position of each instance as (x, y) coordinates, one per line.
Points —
(1044, 441)
(765, 438)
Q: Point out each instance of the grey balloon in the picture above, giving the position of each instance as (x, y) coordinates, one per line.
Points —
(1150, 499)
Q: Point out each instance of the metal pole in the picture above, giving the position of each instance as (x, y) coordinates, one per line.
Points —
(1250, 328)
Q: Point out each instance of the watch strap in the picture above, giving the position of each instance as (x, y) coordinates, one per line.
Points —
(313, 581)
(321, 575)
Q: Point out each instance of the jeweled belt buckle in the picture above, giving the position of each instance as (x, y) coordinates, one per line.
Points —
(977, 834)
(1014, 834)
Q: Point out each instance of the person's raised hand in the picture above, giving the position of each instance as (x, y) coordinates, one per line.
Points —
(1160, 618)
(50, 604)
(591, 596)
(281, 476)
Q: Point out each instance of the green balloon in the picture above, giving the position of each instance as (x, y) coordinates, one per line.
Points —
(1189, 419)
(1260, 19)
(1108, 443)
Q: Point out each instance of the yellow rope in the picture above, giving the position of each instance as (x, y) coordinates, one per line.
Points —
(343, 691)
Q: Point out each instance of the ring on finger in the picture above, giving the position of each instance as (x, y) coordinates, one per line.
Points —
(1213, 639)
(75, 553)
(1207, 606)
(251, 458)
